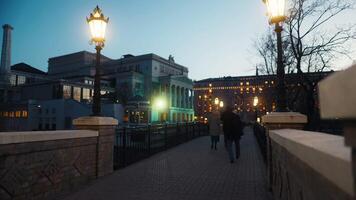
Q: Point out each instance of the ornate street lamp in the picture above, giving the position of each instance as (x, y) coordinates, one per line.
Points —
(97, 24)
(276, 14)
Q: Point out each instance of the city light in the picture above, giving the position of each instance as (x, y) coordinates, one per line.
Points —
(97, 24)
(216, 101)
(275, 10)
(221, 104)
(255, 101)
(160, 103)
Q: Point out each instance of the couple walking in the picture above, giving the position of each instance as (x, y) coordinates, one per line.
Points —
(232, 128)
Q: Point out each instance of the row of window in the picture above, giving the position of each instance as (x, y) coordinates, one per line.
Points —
(16, 80)
(14, 114)
(78, 93)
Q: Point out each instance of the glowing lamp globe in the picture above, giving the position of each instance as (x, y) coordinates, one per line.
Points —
(275, 10)
(255, 101)
(216, 101)
(97, 24)
(221, 104)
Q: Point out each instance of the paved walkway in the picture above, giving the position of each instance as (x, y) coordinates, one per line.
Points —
(188, 171)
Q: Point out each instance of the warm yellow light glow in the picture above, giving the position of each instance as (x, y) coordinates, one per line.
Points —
(97, 24)
(216, 101)
(275, 10)
(160, 103)
(221, 104)
(255, 101)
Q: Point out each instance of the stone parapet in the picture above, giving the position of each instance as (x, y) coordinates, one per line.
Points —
(310, 165)
(43, 165)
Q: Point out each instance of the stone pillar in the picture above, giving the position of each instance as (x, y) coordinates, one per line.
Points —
(337, 96)
(279, 120)
(6, 55)
(106, 138)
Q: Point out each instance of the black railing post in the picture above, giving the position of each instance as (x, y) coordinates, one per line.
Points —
(124, 146)
(193, 127)
(149, 139)
(186, 132)
(165, 136)
(177, 134)
(198, 124)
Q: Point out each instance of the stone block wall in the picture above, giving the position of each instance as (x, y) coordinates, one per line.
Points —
(34, 165)
(309, 167)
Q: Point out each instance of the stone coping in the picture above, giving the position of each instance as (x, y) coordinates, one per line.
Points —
(95, 121)
(325, 153)
(36, 136)
(337, 94)
(284, 118)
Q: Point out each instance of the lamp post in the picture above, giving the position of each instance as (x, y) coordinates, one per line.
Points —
(276, 14)
(255, 104)
(97, 24)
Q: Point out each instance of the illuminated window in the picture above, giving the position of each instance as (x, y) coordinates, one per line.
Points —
(266, 82)
(76, 93)
(6, 114)
(18, 114)
(11, 114)
(272, 82)
(67, 92)
(21, 80)
(102, 92)
(210, 85)
(247, 83)
(86, 93)
(241, 83)
(24, 113)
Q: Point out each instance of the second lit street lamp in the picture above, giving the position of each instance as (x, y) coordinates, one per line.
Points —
(276, 14)
(97, 24)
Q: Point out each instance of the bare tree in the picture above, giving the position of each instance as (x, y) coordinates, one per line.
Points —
(311, 44)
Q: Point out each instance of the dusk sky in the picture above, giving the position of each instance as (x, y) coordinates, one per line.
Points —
(212, 38)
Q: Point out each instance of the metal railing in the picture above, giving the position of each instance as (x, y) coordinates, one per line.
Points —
(261, 137)
(136, 143)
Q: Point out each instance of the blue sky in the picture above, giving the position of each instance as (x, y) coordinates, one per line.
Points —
(212, 38)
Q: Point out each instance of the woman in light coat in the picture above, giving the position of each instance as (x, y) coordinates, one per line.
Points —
(214, 127)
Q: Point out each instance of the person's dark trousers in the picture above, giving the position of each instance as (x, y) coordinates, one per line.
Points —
(229, 143)
(214, 141)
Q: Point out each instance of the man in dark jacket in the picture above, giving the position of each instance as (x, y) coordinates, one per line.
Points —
(232, 127)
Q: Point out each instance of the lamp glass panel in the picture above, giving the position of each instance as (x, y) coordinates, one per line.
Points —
(97, 29)
(275, 8)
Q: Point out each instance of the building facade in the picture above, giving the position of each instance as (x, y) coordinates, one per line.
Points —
(241, 92)
(135, 89)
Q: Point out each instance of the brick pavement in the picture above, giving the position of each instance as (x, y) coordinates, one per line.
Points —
(188, 171)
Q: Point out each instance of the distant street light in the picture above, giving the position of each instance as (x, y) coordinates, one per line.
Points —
(255, 104)
(221, 104)
(276, 14)
(160, 104)
(97, 24)
(216, 101)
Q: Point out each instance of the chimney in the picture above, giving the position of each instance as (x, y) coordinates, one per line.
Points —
(6, 54)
